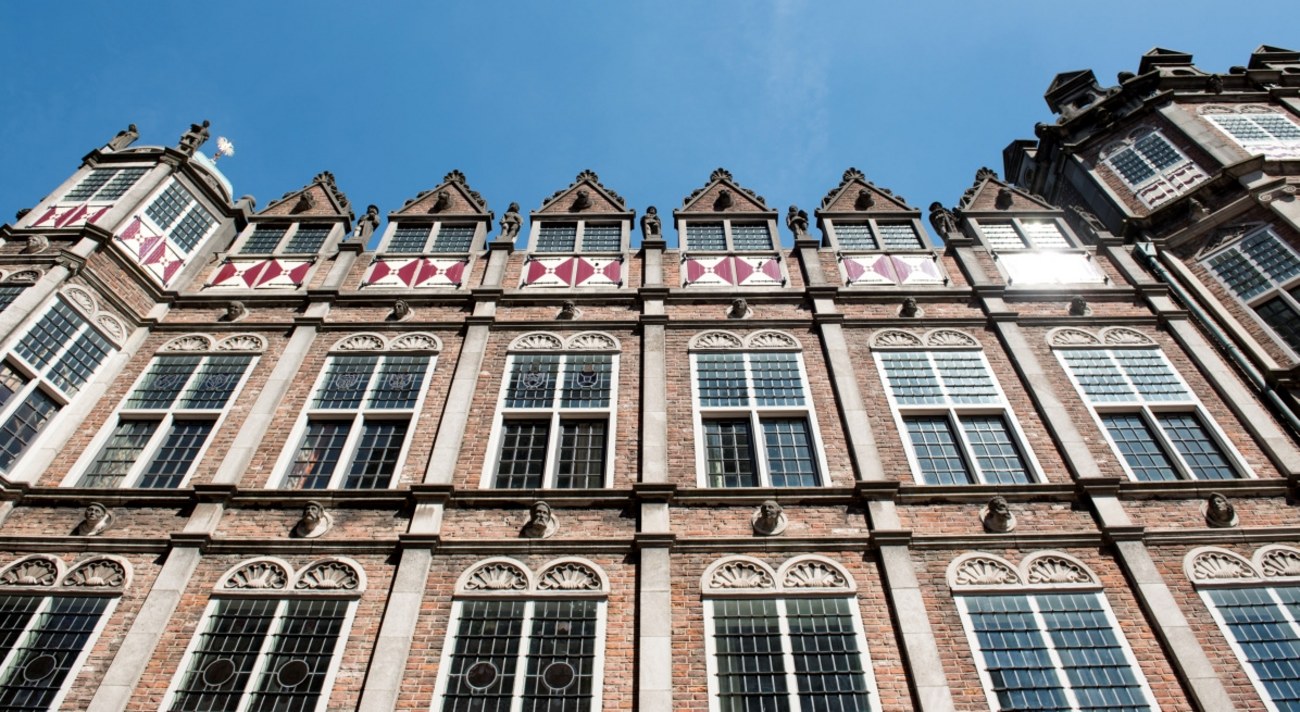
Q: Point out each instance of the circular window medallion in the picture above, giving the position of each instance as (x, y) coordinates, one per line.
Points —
(40, 667)
(292, 673)
(481, 674)
(218, 672)
(558, 676)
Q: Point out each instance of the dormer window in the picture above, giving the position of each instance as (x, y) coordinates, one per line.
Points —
(872, 235)
(580, 236)
(728, 236)
(1024, 235)
(1152, 166)
(104, 184)
(440, 237)
(1257, 129)
(297, 238)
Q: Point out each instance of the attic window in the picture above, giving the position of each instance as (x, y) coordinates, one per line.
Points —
(273, 238)
(1152, 167)
(581, 236)
(449, 238)
(1262, 132)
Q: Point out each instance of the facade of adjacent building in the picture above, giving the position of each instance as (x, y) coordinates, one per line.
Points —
(553, 462)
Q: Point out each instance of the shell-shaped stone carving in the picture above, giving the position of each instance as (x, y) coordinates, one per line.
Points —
(82, 298)
(31, 572)
(716, 340)
(329, 576)
(569, 576)
(1055, 569)
(537, 342)
(592, 341)
(1219, 566)
(258, 576)
(771, 340)
(360, 342)
(26, 276)
(111, 326)
(497, 576)
(1070, 336)
(813, 574)
(1124, 336)
(950, 337)
(189, 342)
(985, 571)
(741, 574)
(242, 342)
(416, 342)
(1280, 562)
(895, 337)
(97, 573)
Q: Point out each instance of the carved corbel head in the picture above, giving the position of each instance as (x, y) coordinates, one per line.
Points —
(314, 521)
(769, 519)
(997, 516)
(94, 520)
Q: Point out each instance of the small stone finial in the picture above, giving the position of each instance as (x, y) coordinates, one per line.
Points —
(1003, 201)
(797, 221)
(1079, 307)
(367, 224)
(724, 200)
(235, 311)
(36, 244)
(124, 138)
(94, 520)
(442, 202)
(769, 519)
(997, 516)
(1219, 512)
(541, 522)
(314, 521)
(568, 311)
(739, 309)
(195, 137)
(510, 223)
(909, 308)
(581, 201)
(651, 227)
(401, 311)
(944, 222)
(985, 172)
(864, 200)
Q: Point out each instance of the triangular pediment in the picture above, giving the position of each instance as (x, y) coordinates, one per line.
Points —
(585, 194)
(320, 198)
(722, 194)
(856, 194)
(452, 197)
(992, 194)
(1265, 55)
(1161, 57)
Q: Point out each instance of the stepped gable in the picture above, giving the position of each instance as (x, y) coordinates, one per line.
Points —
(984, 196)
(600, 200)
(460, 200)
(320, 198)
(707, 198)
(849, 197)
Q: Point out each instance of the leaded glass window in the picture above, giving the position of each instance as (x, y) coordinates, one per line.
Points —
(1152, 167)
(871, 235)
(1262, 625)
(307, 238)
(855, 236)
(555, 423)
(408, 238)
(178, 214)
(42, 640)
(1024, 234)
(557, 237)
(708, 237)
(265, 239)
(355, 431)
(1272, 134)
(300, 238)
(899, 236)
(1261, 270)
(755, 420)
(103, 184)
(453, 238)
(750, 236)
(579, 237)
(8, 293)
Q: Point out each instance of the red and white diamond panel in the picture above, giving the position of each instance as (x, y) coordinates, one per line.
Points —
(733, 271)
(71, 215)
(149, 247)
(891, 270)
(573, 272)
(261, 274)
(416, 272)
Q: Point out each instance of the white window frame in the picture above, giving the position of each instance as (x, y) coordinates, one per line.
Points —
(728, 235)
(1018, 226)
(755, 414)
(873, 224)
(1147, 411)
(555, 414)
(1235, 645)
(1275, 290)
(195, 202)
(164, 417)
(579, 248)
(356, 416)
(430, 237)
(281, 246)
(94, 196)
(1160, 176)
(952, 412)
(75, 668)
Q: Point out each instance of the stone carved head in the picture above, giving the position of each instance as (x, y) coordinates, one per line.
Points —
(769, 519)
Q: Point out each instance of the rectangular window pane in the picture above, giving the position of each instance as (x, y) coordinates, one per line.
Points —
(582, 454)
(776, 379)
(532, 381)
(1100, 674)
(1015, 653)
(55, 329)
(265, 238)
(482, 667)
(995, 450)
(1044, 234)
(1266, 250)
(90, 184)
(523, 453)
(308, 238)
(53, 643)
(750, 663)
(216, 382)
(75, 366)
(119, 454)
(1154, 378)
(1131, 167)
(1145, 456)
(376, 456)
(23, 426)
(602, 237)
(557, 237)
(318, 454)
(828, 664)
(1241, 128)
(750, 236)
(162, 382)
(706, 236)
(1158, 151)
(304, 644)
(167, 208)
(855, 236)
(912, 378)
(15, 613)
(966, 378)
(1099, 376)
(176, 454)
(120, 183)
(789, 452)
(453, 238)
(1198, 448)
(729, 454)
(1277, 126)
(1281, 317)
(230, 642)
(346, 379)
(899, 236)
(409, 238)
(1239, 273)
(937, 453)
(400, 382)
(1002, 236)
(1268, 641)
(192, 228)
(588, 380)
(721, 380)
(563, 637)
(8, 295)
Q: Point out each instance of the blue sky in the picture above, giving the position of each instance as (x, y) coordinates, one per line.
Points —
(522, 96)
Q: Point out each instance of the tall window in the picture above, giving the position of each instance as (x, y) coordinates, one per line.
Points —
(1258, 129)
(439, 237)
(181, 217)
(785, 640)
(275, 647)
(43, 371)
(521, 647)
(955, 420)
(554, 426)
(103, 184)
(279, 238)
(1264, 273)
(755, 425)
(1151, 417)
(166, 421)
(357, 424)
(1152, 166)
(1046, 650)
(580, 236)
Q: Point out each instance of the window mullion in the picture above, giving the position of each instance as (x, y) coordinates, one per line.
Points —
(1166, 443)
(963, 442)
(263, 656)
(432, 238)
(579, 233)
(1057, 665)
(787, 654)
(348, 451)
(286, 238)
(521, 659)
(726, 235)
(151, 447)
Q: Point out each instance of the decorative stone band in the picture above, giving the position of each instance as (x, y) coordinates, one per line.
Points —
(584, 341)
(1053, 570)
(44, 572)
(766, 340)
(732, 271)
(275, 577)
(898, 339)
(413, 341)
(799, 576)
(1214, 566)
(501, 576)
(110, 324)
(1113, 336)
(193, 343)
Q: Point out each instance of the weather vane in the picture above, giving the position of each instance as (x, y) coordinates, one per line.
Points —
(224, 148)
